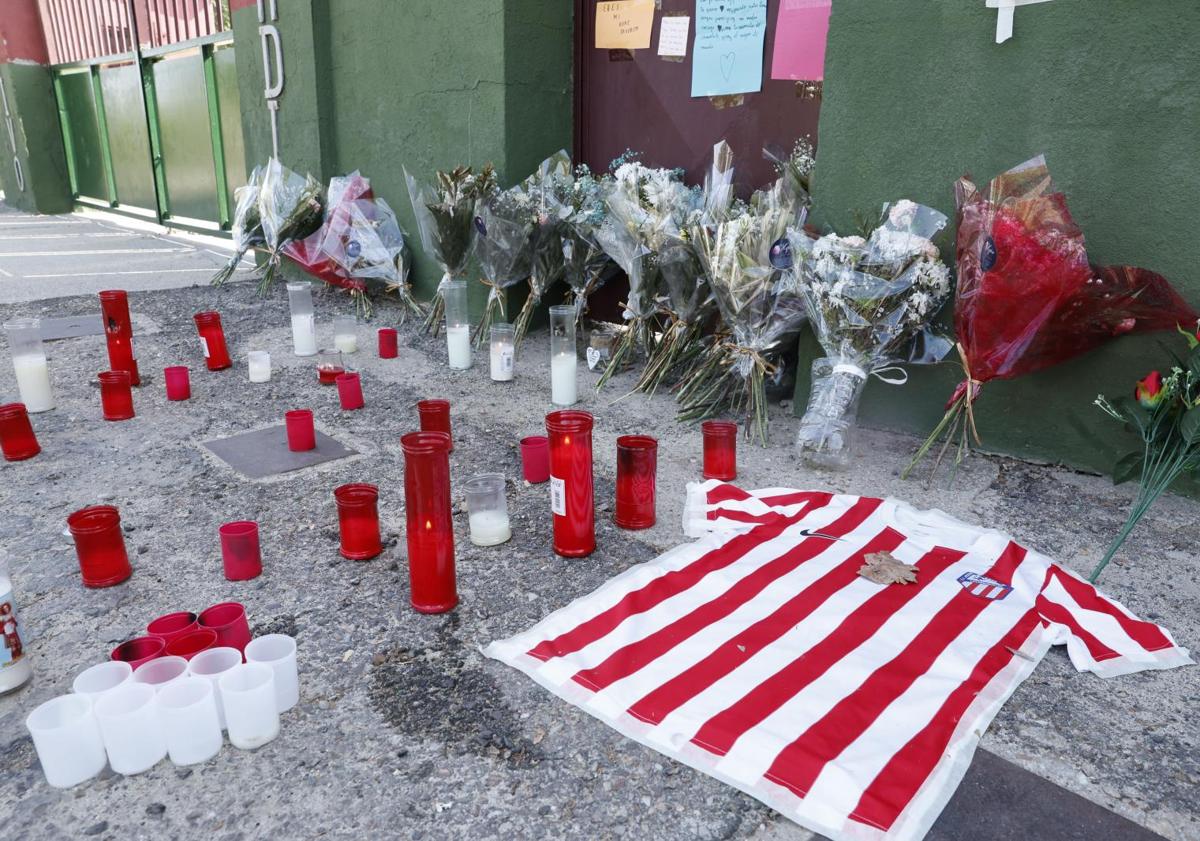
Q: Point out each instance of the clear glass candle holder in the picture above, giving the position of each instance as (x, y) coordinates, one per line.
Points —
(720, 450)
(29, 363)
(345, 333)
(487, 509)
(116, 397)
(100, 545)
(564, 361)
(118, 332)
(458, 324)
(212, 340)
(358, 520)
(571, 490)
(329, 365)
(502, 353)
(304, 319)
(258, 364)
(17, 440)
(637, 465)
(429, 521)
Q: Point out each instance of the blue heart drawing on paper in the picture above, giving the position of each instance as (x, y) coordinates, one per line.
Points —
(727, 65)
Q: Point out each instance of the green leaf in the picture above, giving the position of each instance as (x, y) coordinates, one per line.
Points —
(1129, 467)
(1192, 341)
(1193, 360)
(1189, 425)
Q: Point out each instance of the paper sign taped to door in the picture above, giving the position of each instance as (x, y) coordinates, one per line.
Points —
(727, 57)
(624, 24)
(800, 33)
(673, 35)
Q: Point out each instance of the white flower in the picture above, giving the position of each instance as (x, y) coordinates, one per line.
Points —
(902, 213)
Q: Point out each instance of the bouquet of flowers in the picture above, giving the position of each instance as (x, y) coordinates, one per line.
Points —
(866, 300)
(744, 258)
(291, 207)
(1166, 414)
(502, 242)
(585, 263)
(544, 189)
(446, 221)
(1028, 297)
(307, 253)
(247, 224)
(627, 251)
(796, 168)
(365, 241)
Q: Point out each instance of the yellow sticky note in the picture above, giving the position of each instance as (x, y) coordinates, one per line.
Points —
(624, 24)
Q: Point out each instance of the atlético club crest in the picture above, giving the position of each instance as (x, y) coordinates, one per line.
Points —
(981, 585)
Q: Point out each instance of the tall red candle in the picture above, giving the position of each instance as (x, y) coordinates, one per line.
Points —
(720, 450)
(118, 330)
(571, 493)
(100, 545)
(637, 463)
(17, 440)
(212, 340)
(435, 417)
(430, 524)
(116, 399)
(358, 520)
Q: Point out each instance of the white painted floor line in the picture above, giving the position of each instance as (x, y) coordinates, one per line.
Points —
(98, 251)
(209, 269)
(246, 258)
(45, 222)
(14, 237)
(6, 274)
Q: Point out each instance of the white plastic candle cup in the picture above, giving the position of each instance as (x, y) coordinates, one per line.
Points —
(502, 352)
(67, 740)
(279, 652)
(259, 363)
(345, 333)
(132, 730)
(161, 672)
(188, 709)
(29, 363)
(487, 509)
(564, 361)
(248, 693)
(211, 665)
(304, 320)
(458, 324)
(101, 678)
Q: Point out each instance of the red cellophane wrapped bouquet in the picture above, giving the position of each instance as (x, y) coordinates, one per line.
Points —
(1027, 296)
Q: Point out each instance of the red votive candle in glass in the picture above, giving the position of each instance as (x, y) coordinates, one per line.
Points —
(240, 551)
(179, 385)
(720, 450)
(212, 340)
(388, 343)
(301, 434)
(358, 520)
(637, 463)
(100, 545)
(139, 650)
(17, 440)
(191, 643)
(435, 417)
(535, 459)
(172, 625)
(349, 388)
(430, 523)
(116, 398)
(571, 493)
(118, 330)
(228, 620)
(329, 366)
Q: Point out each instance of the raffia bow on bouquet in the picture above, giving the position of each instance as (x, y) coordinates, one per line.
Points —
(543, 193)
(502, 248)
(867, 300)
(446, 222)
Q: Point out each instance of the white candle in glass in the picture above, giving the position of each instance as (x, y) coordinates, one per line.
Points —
(489, 528)
(260, 366)
(502, 352)
(304, 334)
(344, 337)
(563, 370)
(33, 382)
(458, 343)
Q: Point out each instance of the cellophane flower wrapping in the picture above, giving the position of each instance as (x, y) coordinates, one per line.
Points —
(585, 263)
(745, 258)
(445, 215)
(867, 300)
(291, 207)
(544, 191)
(307, 252)
(502, 245)
(1028, 297)
(364, 240)
(247, 224)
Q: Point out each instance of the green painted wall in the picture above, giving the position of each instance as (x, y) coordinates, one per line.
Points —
(35, 116)
(917, 93)
(377, 86)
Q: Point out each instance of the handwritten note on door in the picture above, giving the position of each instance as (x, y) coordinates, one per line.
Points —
(624, 24)
(727, 57)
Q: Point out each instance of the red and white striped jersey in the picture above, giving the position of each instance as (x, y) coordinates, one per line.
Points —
(759, 655)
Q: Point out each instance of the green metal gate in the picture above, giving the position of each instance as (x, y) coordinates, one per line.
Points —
(154, 128)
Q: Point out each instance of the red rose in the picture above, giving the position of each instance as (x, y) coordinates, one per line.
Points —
(1149, 391)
